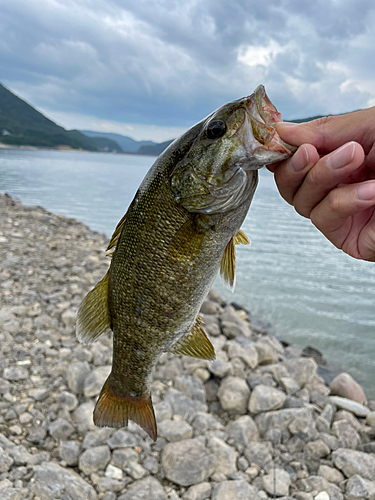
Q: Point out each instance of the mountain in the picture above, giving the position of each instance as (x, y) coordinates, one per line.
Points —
(155, 150)
(127, 144)
(23, 125)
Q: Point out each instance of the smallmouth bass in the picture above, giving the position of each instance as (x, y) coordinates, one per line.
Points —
(180, 229)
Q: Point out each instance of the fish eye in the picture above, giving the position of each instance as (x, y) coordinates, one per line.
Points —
(216, 129)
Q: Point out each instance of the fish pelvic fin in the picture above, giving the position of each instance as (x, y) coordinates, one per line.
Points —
(195, 344)
(93, 317)
(116, 236)
(241, 238)
(228, 265)
(114, 409)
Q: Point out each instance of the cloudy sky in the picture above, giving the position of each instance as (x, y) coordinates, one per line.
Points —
(151, 68)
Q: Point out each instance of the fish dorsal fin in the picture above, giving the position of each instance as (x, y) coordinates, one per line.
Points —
(93, 314)
(116, 235)
(195, 344)
(228, 265)
(228, 261)
(241, 238)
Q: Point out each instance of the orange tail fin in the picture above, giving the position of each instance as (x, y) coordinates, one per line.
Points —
(114, 410)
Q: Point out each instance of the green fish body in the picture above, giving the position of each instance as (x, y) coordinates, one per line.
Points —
(180, 229)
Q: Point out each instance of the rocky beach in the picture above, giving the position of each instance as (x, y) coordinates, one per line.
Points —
(262, 421)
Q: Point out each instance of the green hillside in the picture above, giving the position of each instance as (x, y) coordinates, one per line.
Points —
(22, 125)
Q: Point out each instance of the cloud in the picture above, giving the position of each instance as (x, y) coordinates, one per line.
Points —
(170, 63)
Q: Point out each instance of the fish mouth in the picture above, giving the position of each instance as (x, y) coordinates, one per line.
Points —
(262, 139)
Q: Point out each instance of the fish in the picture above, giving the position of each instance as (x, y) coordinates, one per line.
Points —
(180, 229)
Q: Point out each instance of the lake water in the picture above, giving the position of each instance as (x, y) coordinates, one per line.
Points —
(291, 277)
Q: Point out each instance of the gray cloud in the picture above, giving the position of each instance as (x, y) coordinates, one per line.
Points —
(170, 63)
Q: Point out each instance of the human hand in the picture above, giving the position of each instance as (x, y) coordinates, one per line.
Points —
(332, 181)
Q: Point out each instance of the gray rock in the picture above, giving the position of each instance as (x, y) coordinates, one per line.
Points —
(97, 437)
(69, 452)
(122, 439)
(187, 462)
(370, 419)
(60, 429)
(94, 459)
(234, 395)
(135, 470)
(5, 461)
(15, 373)
(281, 418)
(243, 430)
(234, 490)
(38, 394)
(163, 411)
(331, 474)
(122, 456)
(345, 386)
(264, 398)
(93, 383)
(259, 453)
(233, 325)
(277, 482)
(175, 430)
(356, 408)
(68, 400)
(68, 317)
(210, 307)
(14, 493)
(76, 375)
(267, 354)
(302, 369)
(53, 481)
(200, 491)
(324, 420)
(352, 462)
(226, 456)
(191, 387)
(317, 449)
(220, 368)
(20, 455)
(36, 435)
(358, 488)
(248, 354)
(148, 488)
(206, 421)
(304, 428)
(83, 416)
(182, 405)
(289, 385)
(345, 433)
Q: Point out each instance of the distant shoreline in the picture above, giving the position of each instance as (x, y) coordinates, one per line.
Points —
(67, 149)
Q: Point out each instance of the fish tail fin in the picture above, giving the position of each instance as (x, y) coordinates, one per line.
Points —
(114, 409)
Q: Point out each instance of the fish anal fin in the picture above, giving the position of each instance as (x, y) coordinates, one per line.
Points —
(195, 344)
(93, 314)
(116, 235)
(115, 410)
(228, 264)
(241, 238)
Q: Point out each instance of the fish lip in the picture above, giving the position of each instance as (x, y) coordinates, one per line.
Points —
(261, 110)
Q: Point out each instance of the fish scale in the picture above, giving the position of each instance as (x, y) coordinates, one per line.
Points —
(181, 227)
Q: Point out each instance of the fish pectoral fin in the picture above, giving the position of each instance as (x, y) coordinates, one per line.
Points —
(228, 264)
(114, 410)
(241, 238)
(195, 344)
(116, 236)
(93, 314)
(187, 240)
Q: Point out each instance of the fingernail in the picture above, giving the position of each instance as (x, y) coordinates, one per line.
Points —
(365, 191)
(299, 160)
(286, 124)
(341, 157)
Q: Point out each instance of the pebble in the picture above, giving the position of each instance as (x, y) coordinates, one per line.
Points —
(223, 426)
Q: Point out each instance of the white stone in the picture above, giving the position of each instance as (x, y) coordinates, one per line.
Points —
(347, 404)
(323, 495)
(113, 472)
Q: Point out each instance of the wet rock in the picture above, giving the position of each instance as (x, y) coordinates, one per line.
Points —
(345, 386)
(234, 395)
(352, 462)
(264, 398)
(94, 459)
(234, 490)
(53, 481)
(148, 487)
(187, 462)
(175, 430)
